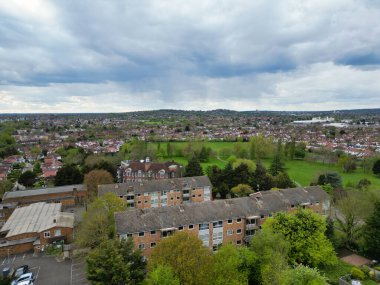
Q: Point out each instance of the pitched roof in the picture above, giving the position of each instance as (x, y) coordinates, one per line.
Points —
(36, 218)
(138, 220)
(42, 191)
(183, 183)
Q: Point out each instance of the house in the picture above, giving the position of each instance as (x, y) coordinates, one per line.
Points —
(35, 227)
(146, 170)
(162, 192)
(216, 222)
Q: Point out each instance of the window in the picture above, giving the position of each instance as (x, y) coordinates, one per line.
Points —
(292, 206)
(230, 232)
(138, 195)
(138, 202)
(57, 233)
(129, 235)
(141, 234)
(152, 244)
(316, 202)
(141, 246)
(270, 215)
(204, 226)
(218, 224)
(229, 221)
(238, 231)
(238, 242)
(238, 220)
(191, 227)
(262, 216)
(152, 232)
(46, 234)
(199, 195)
(180, 228)
(146, 201)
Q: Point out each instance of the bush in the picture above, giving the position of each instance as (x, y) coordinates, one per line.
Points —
(356, 273)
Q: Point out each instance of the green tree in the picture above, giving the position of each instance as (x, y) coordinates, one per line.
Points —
(185, 253)
(68, 175)
(27, 178)
(261, 179)
(300, 150)
(5, 186)
(232, 265)
(251, 165)
(352, 210)
(112, 263)
(95, 178)
(242, 190)
(37, 168)
(283, 181)
(241, 175)
(332, 178)
(193, 168)
(347, 163)
(304, 275)
(260, 147)
(376, 167)
(272, 252)
(98, 222)
(372, 233)
(277, 165)
(305, 231)
(363, 184)
(162, 275)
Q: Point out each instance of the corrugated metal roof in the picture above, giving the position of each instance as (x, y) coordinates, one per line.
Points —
(37, 217)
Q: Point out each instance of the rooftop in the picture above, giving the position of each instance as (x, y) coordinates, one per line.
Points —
(36, 218)
(263, 203)
(42, 191)
(155, 185)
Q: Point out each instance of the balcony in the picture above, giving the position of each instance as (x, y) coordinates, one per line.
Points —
(251, 227)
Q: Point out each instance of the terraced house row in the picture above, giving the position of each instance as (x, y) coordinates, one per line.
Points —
(160, 193)
(216, 222)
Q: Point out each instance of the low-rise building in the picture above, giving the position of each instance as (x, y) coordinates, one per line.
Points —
(35, 227)
(216, 222)
(163, 192)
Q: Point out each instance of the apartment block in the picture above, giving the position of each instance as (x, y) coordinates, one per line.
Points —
(160, 193)
(216, 222)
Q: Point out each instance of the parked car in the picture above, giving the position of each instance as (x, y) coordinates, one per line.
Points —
(26, 282)
(24, 277)
(20, 271)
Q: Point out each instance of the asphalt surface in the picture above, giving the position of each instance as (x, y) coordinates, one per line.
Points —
(47, 270)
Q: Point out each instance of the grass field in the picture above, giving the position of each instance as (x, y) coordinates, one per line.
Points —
(303, 172)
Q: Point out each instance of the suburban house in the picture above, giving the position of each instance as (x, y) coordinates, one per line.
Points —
(163, 192)
(216, 222)
(35, 227)
(146, 170)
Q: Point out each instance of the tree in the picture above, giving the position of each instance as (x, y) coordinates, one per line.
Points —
(112, 263)
(352, 210)
(242, 190)
(162, 275)
(363, 184)
(260, 147)
(277, 165)
(5, 186)
(304, 275)
(186, 255)
(372, 233)
(37, 168)
(283, 181)
(95, 178)
(261, 179)
(27, 178)
(204, 154)
(68, 175)
(376, 167)
(272, 252)
(193, 168)
(332, 178)
(241, 175)
(305, 232)
(232, 265)
(300, 150)
(98, 222)
(347, 163)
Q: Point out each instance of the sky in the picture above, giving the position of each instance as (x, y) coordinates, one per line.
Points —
(124, 55)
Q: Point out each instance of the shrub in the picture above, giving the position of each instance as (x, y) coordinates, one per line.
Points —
(356, 273)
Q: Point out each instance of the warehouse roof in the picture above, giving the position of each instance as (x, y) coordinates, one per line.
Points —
(36, 218)
(42, 191)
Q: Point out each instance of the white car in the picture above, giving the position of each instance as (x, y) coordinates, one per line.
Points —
(27, 277)
(26, 282)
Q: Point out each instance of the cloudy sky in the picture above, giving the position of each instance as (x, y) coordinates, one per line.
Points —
(118, 56)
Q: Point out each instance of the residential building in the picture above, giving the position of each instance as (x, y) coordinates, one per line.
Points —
(162, 192)
(35, 227)
(146, 170)
(216, 222)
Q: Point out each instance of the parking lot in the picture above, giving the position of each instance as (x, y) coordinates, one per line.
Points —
(47, 270)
